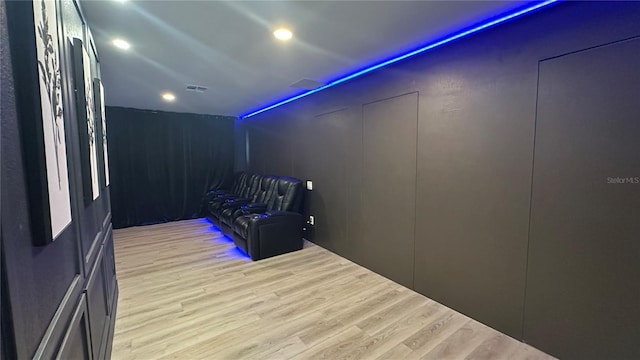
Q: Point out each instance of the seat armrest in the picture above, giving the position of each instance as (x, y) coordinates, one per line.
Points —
(227, 196)
(212, 195)
(273, 217)
(274, 234)
(235, 203)
(254, 208)
(276, 213)
(218, 190)
(216, 193)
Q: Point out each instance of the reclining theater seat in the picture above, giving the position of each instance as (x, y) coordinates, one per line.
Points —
(238, 180)
(230, 210)
(278, 229)
(246, 189)
(215, 194)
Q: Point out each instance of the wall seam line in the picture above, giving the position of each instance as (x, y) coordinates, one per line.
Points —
(415, 193)
(533, 158)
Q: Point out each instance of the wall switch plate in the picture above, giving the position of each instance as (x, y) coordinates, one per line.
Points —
(312, 220)
(309, 185)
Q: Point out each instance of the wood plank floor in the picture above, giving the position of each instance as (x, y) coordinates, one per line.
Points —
(187, 293)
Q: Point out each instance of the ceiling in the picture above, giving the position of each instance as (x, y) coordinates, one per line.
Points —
(228, 46)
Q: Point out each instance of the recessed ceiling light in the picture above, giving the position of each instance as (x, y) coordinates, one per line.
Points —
(283, 34)
(121, 1)
(119, 43)
(168, 96)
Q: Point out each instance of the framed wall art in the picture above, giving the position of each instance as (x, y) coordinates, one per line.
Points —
(42, 116)
(86, 122)
(102, 120)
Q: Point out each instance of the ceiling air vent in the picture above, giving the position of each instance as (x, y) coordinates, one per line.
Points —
(307, 84)
(196, 88)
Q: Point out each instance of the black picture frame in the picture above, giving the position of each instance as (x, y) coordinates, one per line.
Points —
(36, 47)
(101, 122)
(87, 130)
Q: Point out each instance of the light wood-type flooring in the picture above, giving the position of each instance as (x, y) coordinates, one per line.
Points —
(187, 293)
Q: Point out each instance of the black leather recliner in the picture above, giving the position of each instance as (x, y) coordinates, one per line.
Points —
(261, 213)
(238, 180)
(268, 229)
(230, 209)
(247, 185)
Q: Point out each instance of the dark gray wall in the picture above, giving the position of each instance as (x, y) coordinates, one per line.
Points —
(34, 297)
(325, 170)
(476, 101)
(389, 177)
(584, 245)
(62, 296)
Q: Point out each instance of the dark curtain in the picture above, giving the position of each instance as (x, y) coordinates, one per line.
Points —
(161, 164)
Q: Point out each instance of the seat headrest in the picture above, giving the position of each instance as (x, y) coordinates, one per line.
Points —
(287, 183)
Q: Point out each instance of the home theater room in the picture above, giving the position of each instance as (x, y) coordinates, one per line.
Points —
(320, 179)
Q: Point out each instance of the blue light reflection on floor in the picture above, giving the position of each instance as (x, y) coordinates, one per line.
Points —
(236, 253)
(205, 220)
(233, 251)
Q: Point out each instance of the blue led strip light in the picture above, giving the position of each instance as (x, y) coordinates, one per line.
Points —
(407, 55)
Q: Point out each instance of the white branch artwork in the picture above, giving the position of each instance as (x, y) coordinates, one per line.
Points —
(48, 53)
(91, 123)
(104, 136)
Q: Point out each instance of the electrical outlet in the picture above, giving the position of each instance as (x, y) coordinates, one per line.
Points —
(309, 185)
(312, 220)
